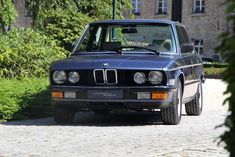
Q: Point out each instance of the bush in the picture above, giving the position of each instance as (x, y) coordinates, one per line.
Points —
(63, 25)
(25, 98)
(213, 71)
(226, 49)
(24, 52)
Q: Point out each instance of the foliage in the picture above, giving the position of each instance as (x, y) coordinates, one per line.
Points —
(24, 52)
(26, 98)
(213, 71)
(103, 9)
(97, 9)
(226, 49)
(7, 14)
(39, 6)
(64, 20)
(63, 25)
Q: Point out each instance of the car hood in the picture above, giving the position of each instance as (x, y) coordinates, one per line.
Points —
(115, 61)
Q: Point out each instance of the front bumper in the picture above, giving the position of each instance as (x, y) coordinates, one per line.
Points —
(125, 99)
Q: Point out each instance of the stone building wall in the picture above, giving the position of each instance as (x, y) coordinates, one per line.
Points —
(206, 26)
(148, 10)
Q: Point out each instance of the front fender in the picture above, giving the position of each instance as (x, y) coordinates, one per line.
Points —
(173, 76)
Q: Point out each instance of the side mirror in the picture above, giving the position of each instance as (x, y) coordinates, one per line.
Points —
(187, 47)
(69, 46)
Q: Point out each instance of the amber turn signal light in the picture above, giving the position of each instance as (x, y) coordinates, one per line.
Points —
(159, 95)
(57, 95)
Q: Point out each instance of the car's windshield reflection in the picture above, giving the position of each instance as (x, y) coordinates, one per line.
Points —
(142, 37)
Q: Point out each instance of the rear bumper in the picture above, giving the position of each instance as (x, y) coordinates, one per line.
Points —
(128, 100)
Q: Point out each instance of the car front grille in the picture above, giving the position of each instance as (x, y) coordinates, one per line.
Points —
(105, 76)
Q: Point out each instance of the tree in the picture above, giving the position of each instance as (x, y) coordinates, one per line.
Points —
(64, 19)
(98, 9)
(7, 14)
(39, 6)
(102, 9)
(227, 50)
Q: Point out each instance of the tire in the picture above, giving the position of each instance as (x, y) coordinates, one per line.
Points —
(101, 112)
(63, 115)
(195, 106)
(172, 115)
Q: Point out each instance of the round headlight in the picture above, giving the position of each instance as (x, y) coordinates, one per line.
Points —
(59, 77)
(155, 77)
(74, 77)
(139, 78)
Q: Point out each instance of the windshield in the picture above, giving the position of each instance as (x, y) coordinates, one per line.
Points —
(129, 38)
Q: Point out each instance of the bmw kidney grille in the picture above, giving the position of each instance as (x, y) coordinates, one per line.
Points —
(105, 76)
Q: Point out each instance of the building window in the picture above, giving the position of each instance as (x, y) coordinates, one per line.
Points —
(28, 9)
(198, 44)
(15, 3)
(161, 7)
(136, 7)
(199, 6)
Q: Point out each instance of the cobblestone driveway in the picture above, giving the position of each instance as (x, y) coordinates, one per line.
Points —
(121, 134)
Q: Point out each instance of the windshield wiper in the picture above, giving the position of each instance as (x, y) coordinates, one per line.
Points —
(78, 52)
(118, 49)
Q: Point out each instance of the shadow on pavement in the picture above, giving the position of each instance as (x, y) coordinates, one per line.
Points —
(120, 119)
(91, 119)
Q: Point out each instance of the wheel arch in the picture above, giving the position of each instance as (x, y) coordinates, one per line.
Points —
(181, 77)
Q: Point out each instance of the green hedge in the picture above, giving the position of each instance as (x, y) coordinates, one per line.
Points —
(25, 98)
(214, 71)
(25, 52)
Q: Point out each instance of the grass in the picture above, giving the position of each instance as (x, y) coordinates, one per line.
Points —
(24, 99)
(213, 71)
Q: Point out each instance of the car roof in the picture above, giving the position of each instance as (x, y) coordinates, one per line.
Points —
(137, 21)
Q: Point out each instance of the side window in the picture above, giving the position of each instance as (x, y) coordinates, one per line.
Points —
(186, 38)
(182, 35)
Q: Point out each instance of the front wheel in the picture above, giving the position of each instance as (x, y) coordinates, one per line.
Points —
(194, 107)
(172, 115)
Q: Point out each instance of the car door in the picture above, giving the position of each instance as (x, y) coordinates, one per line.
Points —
(190, 68)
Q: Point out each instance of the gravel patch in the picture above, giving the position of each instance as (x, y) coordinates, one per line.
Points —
(122, 134)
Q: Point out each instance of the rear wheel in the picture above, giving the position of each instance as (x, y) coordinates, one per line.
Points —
(172, 115)
(194, 107)
(63, 115)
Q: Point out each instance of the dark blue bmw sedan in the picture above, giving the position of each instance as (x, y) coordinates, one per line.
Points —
(141, 65)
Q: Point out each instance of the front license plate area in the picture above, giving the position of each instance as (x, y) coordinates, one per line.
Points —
(104, 94)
